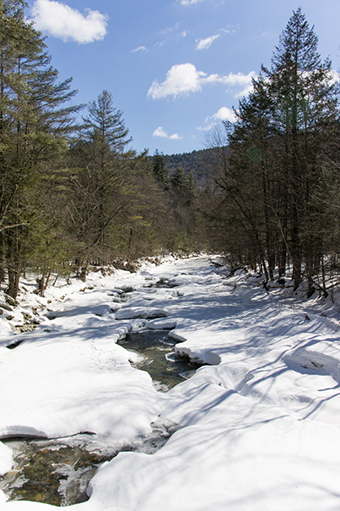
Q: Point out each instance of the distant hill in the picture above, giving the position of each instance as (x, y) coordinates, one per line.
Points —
(198, 162)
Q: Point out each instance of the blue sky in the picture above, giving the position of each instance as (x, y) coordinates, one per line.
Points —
(174, 67)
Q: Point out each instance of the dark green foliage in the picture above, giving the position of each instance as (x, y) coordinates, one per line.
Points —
(197, 162)
(159, 168)
(286, 131)
(33, 126)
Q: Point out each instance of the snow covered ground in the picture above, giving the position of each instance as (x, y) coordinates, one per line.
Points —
(259, 428)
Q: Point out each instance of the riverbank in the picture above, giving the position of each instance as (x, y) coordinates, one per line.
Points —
(256, 427)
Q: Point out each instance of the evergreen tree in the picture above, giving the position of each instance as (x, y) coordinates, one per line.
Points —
(160, 169)
(305, 95)
(105, 125)
(275, 163)
(101, 184)
(179, 179)
(33, 126)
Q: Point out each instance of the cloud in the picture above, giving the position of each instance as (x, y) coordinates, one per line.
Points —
(61, 21)
(140, 48)
(183, 79)
(172, 33)
(225, 114)
(180, 80)
(206, 128)
(204, 44)
(159, 132)
(240, 80)
(190, 2)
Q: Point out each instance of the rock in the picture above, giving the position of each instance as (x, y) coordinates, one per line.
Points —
(139, 312)
(6, 307)
(161, 324)
(115, 292)
(10, 301)
(11, 476)
(156, 313)
(127, 289)
(14, 344)
(116, 299)
(28, 327)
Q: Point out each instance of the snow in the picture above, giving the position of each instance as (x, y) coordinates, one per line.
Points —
(6, 459)
(140, 312)
(160, 324)
(258, 426)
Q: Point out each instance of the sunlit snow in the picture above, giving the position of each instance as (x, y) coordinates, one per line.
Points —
(258, 426)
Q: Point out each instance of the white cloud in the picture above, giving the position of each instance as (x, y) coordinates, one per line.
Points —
(204, 44)
(159, 132)
(206, 128)
(182, 79)
(60, 20)
(140, 48)
(225, 114)
(240, 80)
(190, 2)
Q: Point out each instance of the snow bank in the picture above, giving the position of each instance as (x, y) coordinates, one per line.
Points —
(6, 459)
(258, 430)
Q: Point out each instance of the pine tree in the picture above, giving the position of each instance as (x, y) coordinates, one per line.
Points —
(100, 185)
(275, 166)
(306, 98)
(160, 169)
(33, 126)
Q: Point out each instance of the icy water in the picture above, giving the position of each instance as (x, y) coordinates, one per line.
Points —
(58, 471)
(166, 367)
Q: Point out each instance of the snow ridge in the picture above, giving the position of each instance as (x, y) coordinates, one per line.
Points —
(258, 428)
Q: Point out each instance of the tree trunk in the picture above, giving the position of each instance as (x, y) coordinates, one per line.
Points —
(13, 282)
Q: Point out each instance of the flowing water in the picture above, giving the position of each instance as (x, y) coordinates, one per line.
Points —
(58, 471)
(166, 367)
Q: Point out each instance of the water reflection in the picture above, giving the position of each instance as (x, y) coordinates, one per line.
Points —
(166, 367)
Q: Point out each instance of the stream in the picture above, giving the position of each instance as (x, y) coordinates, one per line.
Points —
(57, 471)
(166, 367)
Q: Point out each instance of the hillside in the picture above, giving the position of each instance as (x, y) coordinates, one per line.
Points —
(200, 163)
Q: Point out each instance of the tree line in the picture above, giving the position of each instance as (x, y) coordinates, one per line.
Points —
(72, 192)
(275, 202)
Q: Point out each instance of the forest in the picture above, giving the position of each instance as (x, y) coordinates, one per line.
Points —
(74, 194)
